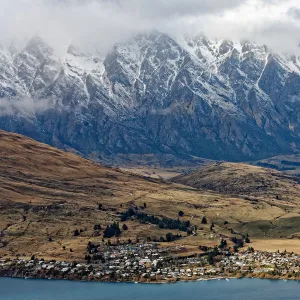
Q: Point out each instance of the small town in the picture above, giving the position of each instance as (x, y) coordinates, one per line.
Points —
(147, 263)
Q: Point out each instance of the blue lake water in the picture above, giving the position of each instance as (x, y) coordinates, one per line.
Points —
(237, 289)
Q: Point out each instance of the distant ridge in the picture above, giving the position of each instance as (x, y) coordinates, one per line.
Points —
(241, 179)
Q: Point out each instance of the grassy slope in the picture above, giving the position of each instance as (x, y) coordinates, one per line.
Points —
(59, 192)
(242, 179)
(268, 191)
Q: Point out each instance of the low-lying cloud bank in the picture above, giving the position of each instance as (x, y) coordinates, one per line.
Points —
(102, 23)
(25, 105)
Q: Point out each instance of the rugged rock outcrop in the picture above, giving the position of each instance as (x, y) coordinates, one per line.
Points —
(155, 94)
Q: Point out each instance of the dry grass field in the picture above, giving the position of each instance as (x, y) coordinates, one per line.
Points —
(274, 245)
(156, 173)
(46, 194)
(243, 179)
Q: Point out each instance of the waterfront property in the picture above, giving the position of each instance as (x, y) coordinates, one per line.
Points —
(147, 263)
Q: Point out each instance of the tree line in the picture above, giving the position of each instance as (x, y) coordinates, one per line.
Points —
(162, 223)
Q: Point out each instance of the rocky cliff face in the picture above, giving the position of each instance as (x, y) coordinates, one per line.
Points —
(155, 94)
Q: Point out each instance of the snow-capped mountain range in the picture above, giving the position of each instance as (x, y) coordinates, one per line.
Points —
(155, 94)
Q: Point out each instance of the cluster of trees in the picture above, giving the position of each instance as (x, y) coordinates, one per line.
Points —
(223, 244)
(127, 214)
(170, 237)
(203, 248)
(287, 169)
(95, 257)
(77, 232)
(94, 254)
(92, 248)
(267, 165)
(97, 228)
(250, 249)
(275, 167)
(212, 254)
(247, 239)
(166, 223)
(163, 223)
(238, 243)
(112, 230)
(290, 163)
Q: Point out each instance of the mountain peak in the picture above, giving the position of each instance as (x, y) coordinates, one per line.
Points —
(155, 94)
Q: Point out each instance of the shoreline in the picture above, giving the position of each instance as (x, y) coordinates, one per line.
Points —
(164, 269)
(147, 282)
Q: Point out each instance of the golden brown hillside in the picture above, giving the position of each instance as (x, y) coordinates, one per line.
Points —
(46, 194)
(243, 179)
(32, 172)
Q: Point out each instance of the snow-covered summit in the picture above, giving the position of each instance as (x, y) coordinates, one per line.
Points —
(155, 94)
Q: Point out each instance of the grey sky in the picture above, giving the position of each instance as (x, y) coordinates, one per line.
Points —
(294, 12)
(101, 23)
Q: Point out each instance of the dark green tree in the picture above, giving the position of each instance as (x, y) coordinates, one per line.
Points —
(210, 258)
(161, 239)
(223, 244)
(180, 213)
(170, 237)
(112, 230)
(204, 220)
(97, 227)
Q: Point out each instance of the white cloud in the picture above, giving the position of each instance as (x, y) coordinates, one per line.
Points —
(102, 23)
(11, 107)
(294, 12)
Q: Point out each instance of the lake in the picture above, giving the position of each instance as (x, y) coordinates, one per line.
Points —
(235, 289)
